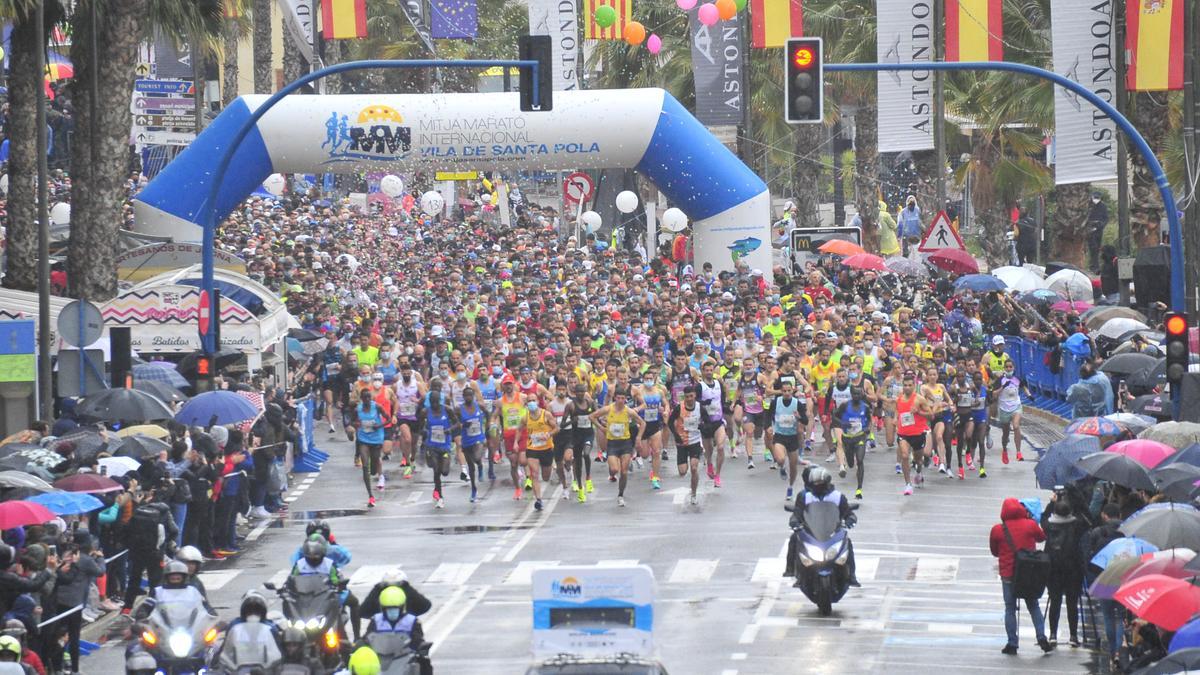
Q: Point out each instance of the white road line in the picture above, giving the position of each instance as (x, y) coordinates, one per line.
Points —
(549, 504)
(368, 575)
(259, 529)
(865, 566)
(217, 579)
(452, 573)
(767, 569)
(415, 497)
(280, 576)
(616, 563)
(935, 569)
(738, 656)
(522, 574)
(770, 597)
(692, 570)
(440, 637)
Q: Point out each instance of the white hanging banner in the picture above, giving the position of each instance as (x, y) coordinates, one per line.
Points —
(298, 16)
(558, 19)
(905, 99)
(1085, 148)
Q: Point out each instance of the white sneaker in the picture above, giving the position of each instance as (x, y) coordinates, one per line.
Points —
(694, 500)
(620, 501)
(381, 483)
(440, 504)
(261, 513)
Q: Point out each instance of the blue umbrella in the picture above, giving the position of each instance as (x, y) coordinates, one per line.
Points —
(979, 283)
(159, 371)
(1078, 345)
(1094, 426)
(1187, 637)
(1188, 455)
(1125, 546)
(67, 503)
(1057, 466)
(216, 407)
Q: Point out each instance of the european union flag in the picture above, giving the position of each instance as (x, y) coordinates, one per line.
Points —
(454, 19)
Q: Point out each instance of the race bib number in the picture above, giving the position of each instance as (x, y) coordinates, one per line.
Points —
(786, 420)
(651, 414)
(474, 428)
(618, 430)
(907, 419)
(488, 405)
(512, 418)
(539, 439)
(437, 435)
(408, 408)
(752, 399)
(583, 422)
(856, 426)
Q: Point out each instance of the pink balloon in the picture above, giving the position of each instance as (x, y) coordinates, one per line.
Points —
(654, 44)
(685, 5)
(709, 15)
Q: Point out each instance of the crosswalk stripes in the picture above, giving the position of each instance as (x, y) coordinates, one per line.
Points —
(522, 574)
(452, 573)
(367, 576)
(616, 563)
(930, 568)
(217, 579)
(692, 570)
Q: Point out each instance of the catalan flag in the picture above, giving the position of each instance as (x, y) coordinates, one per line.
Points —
(772, 22)
(1154, 43)
(342, 19)
(591, 31)
(974, 30)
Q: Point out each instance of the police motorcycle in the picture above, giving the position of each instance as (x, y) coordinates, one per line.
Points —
(252, 645)
(311, 604)
(174, 629)
(397, 654)
(821, 551)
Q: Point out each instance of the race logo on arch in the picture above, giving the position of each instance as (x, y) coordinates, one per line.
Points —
(377, 132)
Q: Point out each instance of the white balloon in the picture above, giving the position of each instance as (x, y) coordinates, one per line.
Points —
(391, 185)
(4, 184)
(275, 184)
(432, 203)
(674, 220)
(627, 201)
(591, 221)
(60, 214)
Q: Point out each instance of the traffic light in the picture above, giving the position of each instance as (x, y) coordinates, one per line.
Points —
(205, 372)
(805, 85)
(536, 48)
(1178, 351)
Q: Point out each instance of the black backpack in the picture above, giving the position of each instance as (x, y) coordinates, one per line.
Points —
(144, 532)
(1031, 570)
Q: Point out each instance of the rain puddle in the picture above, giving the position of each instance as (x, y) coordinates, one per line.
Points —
(474, 529)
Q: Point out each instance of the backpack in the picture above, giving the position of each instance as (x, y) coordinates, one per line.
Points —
(1058, 546)
(1031, 570)
(145, 532)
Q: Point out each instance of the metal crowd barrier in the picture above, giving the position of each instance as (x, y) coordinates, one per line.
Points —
(1047, 388)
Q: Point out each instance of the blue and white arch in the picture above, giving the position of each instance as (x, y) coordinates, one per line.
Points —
(645, 129)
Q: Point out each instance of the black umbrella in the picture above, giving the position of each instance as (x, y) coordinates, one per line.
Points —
(87, 441)
(161, 390)
(1124, 365)
(1182, 661)
(1117, 469)
(221, 360)
(138, 447)
(1154, 405)
(1146, 379)
(128, 405)
(1177, 480)
(303, 334)
(1058, 266)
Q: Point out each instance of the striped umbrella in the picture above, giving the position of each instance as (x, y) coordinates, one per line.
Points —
(159, 371)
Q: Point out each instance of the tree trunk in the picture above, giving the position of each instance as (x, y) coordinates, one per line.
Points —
(264, 80)
(99, 178)
(332, 53)
(1069, 241)
(293, 61)
(229, 42)
(866, 172)
(1145, 203)
(24, 88)
(806, 176)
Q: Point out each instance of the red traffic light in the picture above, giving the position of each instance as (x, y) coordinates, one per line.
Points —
(204, 366)
(1176, 324)
(803, 57)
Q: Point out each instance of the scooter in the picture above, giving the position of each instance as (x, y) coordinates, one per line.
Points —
(312, 605)
(248, 647)
(174, 634)
(397, 655)
(822, 553)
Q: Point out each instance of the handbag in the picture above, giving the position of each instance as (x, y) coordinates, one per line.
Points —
(1031, 570)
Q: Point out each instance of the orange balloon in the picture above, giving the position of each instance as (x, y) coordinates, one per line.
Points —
(726, 9)
(635, 32)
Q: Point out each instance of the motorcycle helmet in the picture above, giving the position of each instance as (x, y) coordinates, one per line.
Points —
(364, 661)
(189, 554)
(253, 604)
(175, 574)
(314, 551)
(394, 577)
(318, 526)
(820, 479)
(392, 601)
(294, 643)
(10, 648)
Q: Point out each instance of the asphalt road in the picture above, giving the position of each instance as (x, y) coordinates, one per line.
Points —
(930, 595)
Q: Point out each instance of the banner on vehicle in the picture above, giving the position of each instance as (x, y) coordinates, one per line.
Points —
(905, 35)
(1085, 146)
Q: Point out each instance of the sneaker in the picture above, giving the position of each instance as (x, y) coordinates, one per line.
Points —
(808, 446)
(694, 500)
(589, 486)
(842, 471)
(750, 463)
(357, 462)
(961, 475)
(565, 495)
(1004, 456)
(982, 472)
(620, 501)
(1019, 457)
(656, 483)
(665, 456)
(575, 486)
(989, 441)
(408, 471)
(1045, 644)
(789, 494)
(638, 462)
(582, 496)
(711, 473)
(927, 462)
(599, 459)
(528, 483)
(908, 489)
(439, 504)
(474, 495)
(782, 472)
(379, 484)
(716, 481)
(858, 493)
(462, 474)
(1009, 650)
(517, 494)
(537, 505)
(403, 461)
(970, 462)
(830, 458)
(612, 477)
(332, 429)
(942, 469)
(370, 502)
(496, 457)
(899, 469)
(937, 461)
(479, 473)
(919, 478)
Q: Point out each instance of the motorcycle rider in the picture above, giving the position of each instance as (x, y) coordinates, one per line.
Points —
(818, 487)
(10, 657)
(190, 556)
(394, 617)
(340, 555)
(241, 636)
(315, 560)
(418, 604)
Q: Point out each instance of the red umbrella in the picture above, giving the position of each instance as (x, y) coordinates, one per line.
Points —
(841, 247)
(954, 260)
(19, 513)
(88, 482)
(1167, 566)
(1144, 451)
(1163, 601)
(865, 261)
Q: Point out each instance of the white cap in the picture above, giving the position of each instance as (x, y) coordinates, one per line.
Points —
(998, 340)
(756, 273)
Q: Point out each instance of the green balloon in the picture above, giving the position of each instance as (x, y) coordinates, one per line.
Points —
(605, 16)
(740, 4)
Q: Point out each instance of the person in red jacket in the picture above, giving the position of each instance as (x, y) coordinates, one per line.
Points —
(1025, 533)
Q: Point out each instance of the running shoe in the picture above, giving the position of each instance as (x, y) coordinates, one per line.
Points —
(842, 471)
(1019, 457)
(899, 469)
(970, 462)
(665, 456)
(942, 470)
(565, 495)
(408, 471)
(439, 504)
(517, 494)
(1004, 456)
(474, 495)
(919, 478)
(989, 441)
(656, 483)
(332, 430)
(709, 470)
(528, 483)
(858, 493)
(870, 444)
(908, 489)
(575, 485)
(620, 501)
(582, 496)
(612, 477)
(403, 461)
(716, 481)
(371, 502)
(357, 462)
(599, 459)
(638, 461)
(462, 474)
(928, 461)
(496, 457)
(961, 475)
(537, 505)
(436, 495)
(830, 457)
(937, 461)
(789, 494)
(694, 500)
(982, 473)
(782, 472)
(749, 462)
(379, 485)
(590, 487)
(808, 446)
(479, 473)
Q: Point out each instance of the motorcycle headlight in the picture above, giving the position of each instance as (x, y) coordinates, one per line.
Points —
(314, 623)
(831, 553)
(180, 644)
(811, 554)
(845, 555)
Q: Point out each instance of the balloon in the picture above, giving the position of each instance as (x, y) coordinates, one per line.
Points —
(635, 32)
(605, 16)
(708, 14)
(60, 214)
(627, 201)
(432, 203)
(591, 221)
(674, 220)
(741, 4)
(685, 5)
(391, 185)
(275, 184)
(654, 44)
(726, 9)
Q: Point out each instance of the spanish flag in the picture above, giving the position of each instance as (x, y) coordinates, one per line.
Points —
(231, 9)
(1154, 43)
(342, 19)
(591, 31)
(772, 22)
(974, 30)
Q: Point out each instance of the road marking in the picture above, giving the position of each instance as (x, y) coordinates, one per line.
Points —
(368, 575)
(738, 656)
(957, 628)
(279, 577)
(770, 597)
(444, 633)
(865, 566)
(548, 508)
(692, 570)
(259, 529)
(217, 579)
(767, 569)
(452, 573)
(415, 497)
(616, 563)
(935, 569)
(522, 574)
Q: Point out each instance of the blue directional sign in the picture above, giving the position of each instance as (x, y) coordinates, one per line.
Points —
(164, 86)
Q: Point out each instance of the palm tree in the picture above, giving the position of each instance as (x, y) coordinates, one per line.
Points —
(232, 31)
(1150, 113)
(264, 81)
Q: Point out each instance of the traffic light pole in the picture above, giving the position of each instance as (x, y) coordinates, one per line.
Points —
(1178, 274)
(208, 340)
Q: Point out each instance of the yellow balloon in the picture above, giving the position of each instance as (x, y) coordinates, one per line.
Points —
(487, 185)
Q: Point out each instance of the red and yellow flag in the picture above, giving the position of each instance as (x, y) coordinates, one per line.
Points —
(592, 31)
(1154, 43)
(974, 30)
(772, 22)
(231, 9)
(344, 19)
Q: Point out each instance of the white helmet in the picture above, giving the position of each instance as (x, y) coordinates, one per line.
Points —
(189, 554)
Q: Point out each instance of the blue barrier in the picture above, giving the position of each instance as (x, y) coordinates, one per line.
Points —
(1048, 390)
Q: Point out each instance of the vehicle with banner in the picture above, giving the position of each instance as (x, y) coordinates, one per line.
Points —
(585, 618)
(804, 242)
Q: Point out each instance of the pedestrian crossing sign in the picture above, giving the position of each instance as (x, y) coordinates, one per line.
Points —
(941, 235)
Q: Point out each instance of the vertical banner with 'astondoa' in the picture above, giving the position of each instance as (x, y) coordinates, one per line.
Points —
(559, 20)
(905, 35)
(717, 69)
(1085, 147)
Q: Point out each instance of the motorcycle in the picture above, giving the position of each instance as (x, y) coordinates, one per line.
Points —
(822, 553)
(312, 605)
(174, 635)
(247, 648)
(397, 655)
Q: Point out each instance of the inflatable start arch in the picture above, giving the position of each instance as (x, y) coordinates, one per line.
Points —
(644, 129)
